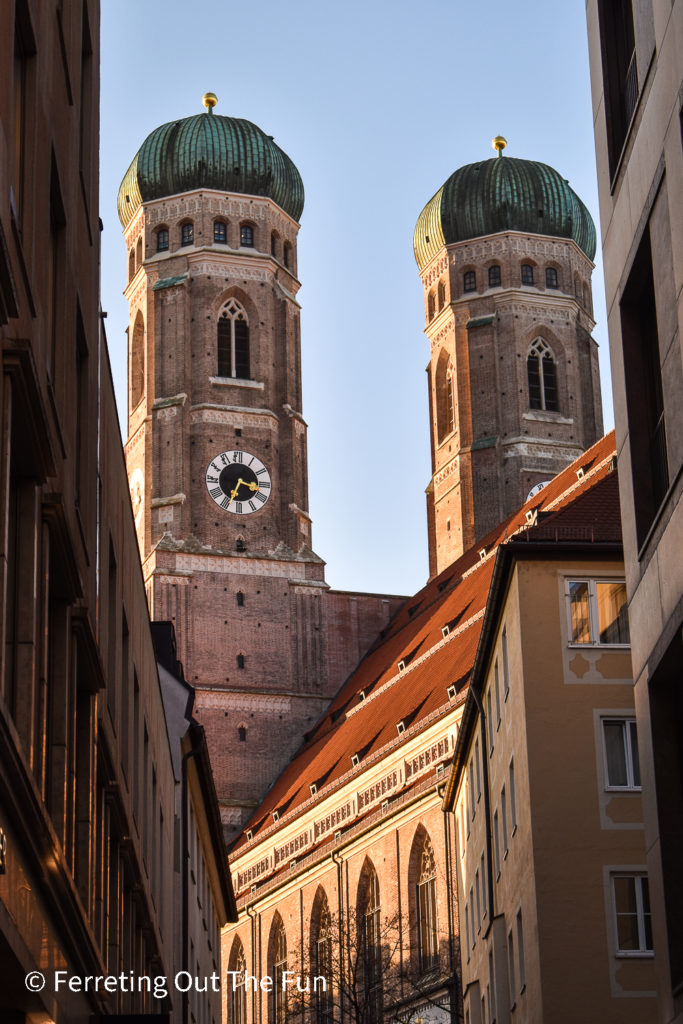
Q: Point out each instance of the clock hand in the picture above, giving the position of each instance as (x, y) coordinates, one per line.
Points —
(242, 483)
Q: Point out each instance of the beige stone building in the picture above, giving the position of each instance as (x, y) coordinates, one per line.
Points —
(545, 790)
(505, 251)
(636, 62)
(352, 834)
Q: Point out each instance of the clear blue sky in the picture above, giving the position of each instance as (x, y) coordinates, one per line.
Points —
(377, 102)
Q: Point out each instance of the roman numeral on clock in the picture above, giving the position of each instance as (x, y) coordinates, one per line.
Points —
(260, 497)
(215, 492)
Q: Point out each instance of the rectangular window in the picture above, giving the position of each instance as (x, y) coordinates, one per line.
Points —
(621, 753)
(497, 684)
(477, 888)
(474, 937)
(496, 842)
(469, 281)
(504, 819)
(632, 914)
(477, 767)
(520, 952)
(644, 387)
(598, 613)
(511, 968)
(489, 711)
(492, 983)
(467, 930)
(506, 667)
(619, 72)
(470, 775)
(483, 887)
(513, 798)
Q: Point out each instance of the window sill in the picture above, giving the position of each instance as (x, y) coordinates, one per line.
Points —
(624, 790)
(599, 647)
(237, 382)
(636, 954)
(548, 416)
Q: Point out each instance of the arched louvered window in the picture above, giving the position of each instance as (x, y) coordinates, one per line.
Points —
(425, 905)
(370, 944)
(237, 990)
(542, 374)
(321, 956)
(137, 361)
(233, 341)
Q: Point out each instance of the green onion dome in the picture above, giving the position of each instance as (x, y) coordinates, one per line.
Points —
(502, 194)
(210, 151)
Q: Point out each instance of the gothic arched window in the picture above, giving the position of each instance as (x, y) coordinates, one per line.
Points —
(431, 306)
(138, 253)
(233, 341)
(321, 956)
(494, 276)
(137, 361)
(242, 733)
(162, 240)
(542, 374)
(220, 232)
(187, 233)
(551, 279)
(131, 264)
(441, 293)
(527, 273)
(278, 965)
(238, 992)
(445, 397)
(370, 943)
(425, 906)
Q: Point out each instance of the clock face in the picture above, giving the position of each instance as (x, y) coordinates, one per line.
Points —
(238, 482)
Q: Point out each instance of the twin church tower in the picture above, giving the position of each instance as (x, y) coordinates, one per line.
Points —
(217, 451)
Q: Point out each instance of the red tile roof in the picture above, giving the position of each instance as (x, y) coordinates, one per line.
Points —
(573, 506)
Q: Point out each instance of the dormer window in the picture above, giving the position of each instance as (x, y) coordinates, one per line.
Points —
(187, 234)
(401, 665)
(445, 630)
(220, 232)
(527, 273)
(451, 692)
(276, 815)
(247, 236)
(400, 728)
(361, 695)
(469, 281)
(162, 240)
(250, 834)
(313, 788)
(354, 759)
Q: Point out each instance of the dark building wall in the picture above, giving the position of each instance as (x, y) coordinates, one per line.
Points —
(86, 784)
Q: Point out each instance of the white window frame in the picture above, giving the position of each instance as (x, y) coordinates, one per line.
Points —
(592, 612)
(642, 951)
(626, 722)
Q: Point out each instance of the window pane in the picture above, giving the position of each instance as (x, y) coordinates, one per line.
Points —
(615, 751)
(635, 760)
(627, 913)
(550, 383)
(534, 375)
(241, 349)
(612, 613)
(647, 917)
(578, 599)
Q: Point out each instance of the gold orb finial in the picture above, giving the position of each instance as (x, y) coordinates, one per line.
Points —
(209, 99)
(499, 144)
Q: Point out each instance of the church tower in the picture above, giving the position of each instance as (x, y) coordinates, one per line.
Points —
(505, 252)
(216, 449)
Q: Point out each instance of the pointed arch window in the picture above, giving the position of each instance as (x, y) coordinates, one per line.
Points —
(279, 966)
(137, 361)
(425, 900)
(138, 253)
(445, 397)
(233, 341)
(131, 264)
(441, 295)
(431, 306)
(542, 375)
(321, 955)
(238, 992)
(370, 946)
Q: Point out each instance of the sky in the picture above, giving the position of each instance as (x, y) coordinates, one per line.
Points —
(377, 103)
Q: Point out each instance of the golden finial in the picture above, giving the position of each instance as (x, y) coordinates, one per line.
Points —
(499, 144)
(209, 99)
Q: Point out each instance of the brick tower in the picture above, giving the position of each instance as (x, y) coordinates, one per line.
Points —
(505, 253)
(216, 448)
